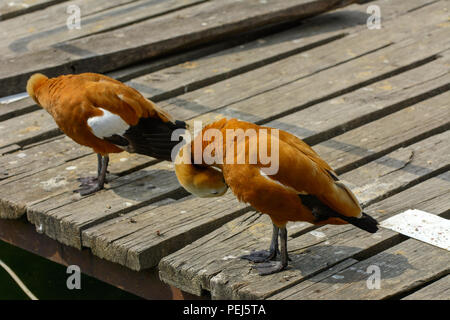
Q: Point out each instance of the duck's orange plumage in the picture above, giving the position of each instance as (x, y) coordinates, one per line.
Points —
(304, 188)
(105, 114)
(73, 99)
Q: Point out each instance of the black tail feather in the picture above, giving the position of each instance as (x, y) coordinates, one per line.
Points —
(323, 212)
(366, 222)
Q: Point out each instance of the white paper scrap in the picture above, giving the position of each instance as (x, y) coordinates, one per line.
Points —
(422, 226)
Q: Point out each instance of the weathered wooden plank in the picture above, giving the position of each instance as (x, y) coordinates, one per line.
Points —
(63, 217)
(192, 71)
(17, 108)
(403, 267)
(310, 124)
(37, 158)
(320, 86)
(41, 20)
(11, 148)
(327, 85)
(320, 73)
(28, 128)
(60, 150)
(156, 232)
(403, 127)
(16, 195)
(400, 169)
(11, 9)
(367, 104)
(246, 235)
(191, 75)
(195, 25)
(41, 33)
(438, 290)
(312, 88)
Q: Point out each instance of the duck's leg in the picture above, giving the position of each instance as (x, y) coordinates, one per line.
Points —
(91, 181)
(271, 267)
(90, 185)
(99, 164)
(266, 255)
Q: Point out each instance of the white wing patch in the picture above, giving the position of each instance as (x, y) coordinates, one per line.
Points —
(107, 125)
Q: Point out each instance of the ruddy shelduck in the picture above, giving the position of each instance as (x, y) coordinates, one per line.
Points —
(106, 115)
(304, 187)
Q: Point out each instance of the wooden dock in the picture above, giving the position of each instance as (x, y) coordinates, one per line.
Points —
(374, 103)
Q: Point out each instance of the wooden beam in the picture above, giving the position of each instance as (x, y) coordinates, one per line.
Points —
(195, 25)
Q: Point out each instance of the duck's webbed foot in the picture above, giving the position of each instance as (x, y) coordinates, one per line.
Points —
(87, 181)
(270, 267)
(84, 191)
(265, 255)
(91, 185)
(261, 256)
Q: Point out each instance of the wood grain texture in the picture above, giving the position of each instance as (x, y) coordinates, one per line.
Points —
(28, 128)
(401, 128)
(313, 85)
(196, 72)
(64, 214)
(173, 31)
(318, 74)
(318, 86)
(141, 238)
(367, 104)
(18, 194)
(17, 108)
(40, 157)
(438, 290)
(403, 267)
(40, 32)
(312, 32)
(11, 9)
(27, 27)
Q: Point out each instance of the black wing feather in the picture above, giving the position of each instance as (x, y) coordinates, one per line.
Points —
(322, 212)
(151, 137)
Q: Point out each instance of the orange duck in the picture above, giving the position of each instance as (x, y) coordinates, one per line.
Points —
(302, 188)
(106, 115)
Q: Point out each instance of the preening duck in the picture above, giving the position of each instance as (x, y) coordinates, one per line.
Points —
(102, 113)
(302, 187)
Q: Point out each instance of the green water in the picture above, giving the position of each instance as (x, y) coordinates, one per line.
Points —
(47, 280)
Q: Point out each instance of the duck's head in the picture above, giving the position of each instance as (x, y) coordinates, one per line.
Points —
(33, 84)
(200, 180)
